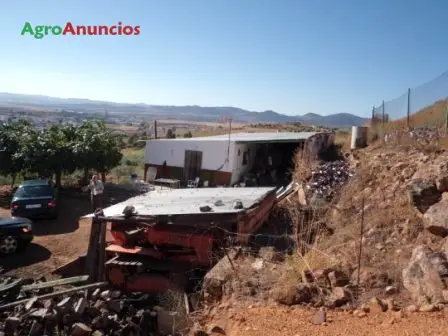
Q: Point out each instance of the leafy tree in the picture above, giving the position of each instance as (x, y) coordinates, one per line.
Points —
(50, 152)
(58, 149)
(133, 139)
(188, 134)
(97, 148)
(170, 134)
(144, 127)
(13, 136)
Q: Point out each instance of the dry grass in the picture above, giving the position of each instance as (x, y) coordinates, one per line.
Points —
(391, 225)
(309, 231)
(302, 168)
(434, 116)
(342, 140)
(431, 116)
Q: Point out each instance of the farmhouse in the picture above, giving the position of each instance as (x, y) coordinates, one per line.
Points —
(261, 159)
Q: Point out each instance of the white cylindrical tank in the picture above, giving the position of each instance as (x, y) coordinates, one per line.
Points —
(359, 137)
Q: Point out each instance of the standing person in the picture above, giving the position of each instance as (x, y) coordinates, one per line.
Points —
(96, 192)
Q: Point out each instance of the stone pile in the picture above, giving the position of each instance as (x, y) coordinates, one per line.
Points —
(327, 178)
(424, 133)
(95, 310)
(421, 134)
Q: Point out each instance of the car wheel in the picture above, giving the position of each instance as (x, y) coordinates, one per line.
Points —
(8, 244)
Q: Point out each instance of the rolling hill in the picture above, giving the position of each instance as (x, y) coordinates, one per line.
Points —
(201, 113)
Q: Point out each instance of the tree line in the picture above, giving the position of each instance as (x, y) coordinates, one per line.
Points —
(57, 150)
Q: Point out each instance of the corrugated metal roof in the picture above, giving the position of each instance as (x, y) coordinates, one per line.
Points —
(251, 137)
(187, 201)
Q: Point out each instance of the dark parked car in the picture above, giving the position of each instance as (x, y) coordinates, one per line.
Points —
(15, 233)
(35, 199)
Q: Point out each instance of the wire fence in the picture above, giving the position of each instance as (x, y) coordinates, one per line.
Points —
(424, 106)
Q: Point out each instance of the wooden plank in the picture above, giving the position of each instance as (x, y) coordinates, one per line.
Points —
(92, 252)
(102, 251)
(54, 294)
(54, 283)
(11, 286)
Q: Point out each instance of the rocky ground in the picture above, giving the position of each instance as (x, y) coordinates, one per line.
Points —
(400, 195)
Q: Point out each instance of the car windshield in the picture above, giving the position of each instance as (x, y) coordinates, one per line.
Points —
(34, 191)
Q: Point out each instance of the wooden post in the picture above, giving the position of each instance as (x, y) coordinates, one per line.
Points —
(96, 251)
(101, 251)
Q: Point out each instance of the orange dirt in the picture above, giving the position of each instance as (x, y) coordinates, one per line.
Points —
(55, 242)
(279, 321)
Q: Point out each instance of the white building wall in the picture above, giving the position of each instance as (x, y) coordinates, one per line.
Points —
(214, 153)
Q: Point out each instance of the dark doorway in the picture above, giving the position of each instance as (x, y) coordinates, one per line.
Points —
(192, 164)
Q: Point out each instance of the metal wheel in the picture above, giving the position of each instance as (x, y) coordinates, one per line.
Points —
(8, 245)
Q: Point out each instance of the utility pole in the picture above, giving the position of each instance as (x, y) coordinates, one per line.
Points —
(155, 129)
(229, 119)
(230, 127)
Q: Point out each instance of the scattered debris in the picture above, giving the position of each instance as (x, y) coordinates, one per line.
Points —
(83, 310)
(420, 135)
(327, 178)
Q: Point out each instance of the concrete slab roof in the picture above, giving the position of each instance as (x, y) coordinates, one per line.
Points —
(167, 201)
(252, 137)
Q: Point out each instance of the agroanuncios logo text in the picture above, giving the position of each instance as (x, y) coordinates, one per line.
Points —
(69, 28)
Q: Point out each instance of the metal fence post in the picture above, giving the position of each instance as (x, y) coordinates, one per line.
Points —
(446, 116)
(409, 108)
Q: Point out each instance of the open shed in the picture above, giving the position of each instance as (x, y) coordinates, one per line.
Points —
(251, 158)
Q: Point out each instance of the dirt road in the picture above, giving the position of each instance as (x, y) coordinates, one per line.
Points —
(55, 243)
(279, 321)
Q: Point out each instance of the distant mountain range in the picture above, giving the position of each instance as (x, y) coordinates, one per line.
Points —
(200, 113)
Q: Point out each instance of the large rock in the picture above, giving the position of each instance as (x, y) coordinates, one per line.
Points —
(435, 220)
(338, 278)
(426, 275)
(371, 277)
(423, 194)
(293, 294)
(217, 278)
(442, 183)
(339, 296)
